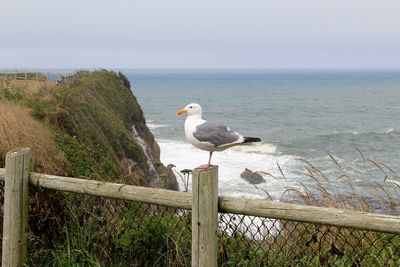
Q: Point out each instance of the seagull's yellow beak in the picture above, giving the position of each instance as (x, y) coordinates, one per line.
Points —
(181, 111)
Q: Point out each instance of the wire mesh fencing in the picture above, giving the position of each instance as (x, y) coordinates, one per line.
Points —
(69, 229)
(256, 241)
(98, 231)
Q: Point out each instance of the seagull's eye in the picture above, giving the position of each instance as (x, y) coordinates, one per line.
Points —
(190, 107)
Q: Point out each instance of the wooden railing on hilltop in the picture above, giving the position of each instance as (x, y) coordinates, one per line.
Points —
(65, 79)
(24, 76)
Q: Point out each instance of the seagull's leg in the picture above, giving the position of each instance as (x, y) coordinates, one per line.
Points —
(205, 166)
(209, 159)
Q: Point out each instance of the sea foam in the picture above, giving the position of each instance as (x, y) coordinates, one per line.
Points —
(152, 126)
(257, 148)
(390, 130)
(232, 163)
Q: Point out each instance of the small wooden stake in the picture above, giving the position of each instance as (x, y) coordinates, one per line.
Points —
(204, 217)
(16, 202)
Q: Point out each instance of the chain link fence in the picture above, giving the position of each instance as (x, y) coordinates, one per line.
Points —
(256, 241)
(98, 231)
(69, 229)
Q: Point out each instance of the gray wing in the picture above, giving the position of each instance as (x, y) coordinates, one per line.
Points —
(216, 134)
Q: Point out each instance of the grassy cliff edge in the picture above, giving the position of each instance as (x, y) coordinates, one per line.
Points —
(96, 124)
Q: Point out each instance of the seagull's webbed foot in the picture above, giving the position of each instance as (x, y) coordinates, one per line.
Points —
(208, 165)
(204, 166)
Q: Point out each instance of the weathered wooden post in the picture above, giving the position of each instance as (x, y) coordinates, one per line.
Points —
(16, 202)
(204, 217)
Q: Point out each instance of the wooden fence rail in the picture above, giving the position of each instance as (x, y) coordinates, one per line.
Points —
(252, 207)
(24, 76)
(203, 200)
(70, 78)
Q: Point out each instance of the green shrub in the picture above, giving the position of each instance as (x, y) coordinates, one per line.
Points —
(147, 239)
(80, 163)
(124, 80)
(39, 108)
(13, 94)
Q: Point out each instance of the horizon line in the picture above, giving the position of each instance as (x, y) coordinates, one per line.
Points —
(202, 69)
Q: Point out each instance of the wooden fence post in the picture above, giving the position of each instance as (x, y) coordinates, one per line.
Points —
(204, 217)
(16, 202)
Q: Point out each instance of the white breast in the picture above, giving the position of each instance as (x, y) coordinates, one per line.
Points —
(191, 123)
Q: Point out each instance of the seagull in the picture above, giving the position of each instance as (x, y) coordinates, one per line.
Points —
(210, 136)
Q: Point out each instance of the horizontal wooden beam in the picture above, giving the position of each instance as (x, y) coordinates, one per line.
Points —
(252, 207)
(112, 190)
(310, 214)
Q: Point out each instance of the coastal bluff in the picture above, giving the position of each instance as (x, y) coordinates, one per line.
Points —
(93, 128)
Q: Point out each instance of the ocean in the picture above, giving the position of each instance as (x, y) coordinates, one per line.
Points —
(300, 115)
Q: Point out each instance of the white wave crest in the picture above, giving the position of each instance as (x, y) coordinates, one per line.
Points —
(252, 227)
(388, 131)
(257, 148)
(152, 126)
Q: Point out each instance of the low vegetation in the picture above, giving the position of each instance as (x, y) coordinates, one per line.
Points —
(90, 121)
(18, 128)
(83, 129)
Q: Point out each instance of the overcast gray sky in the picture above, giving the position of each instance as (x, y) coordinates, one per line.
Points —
(200, 34)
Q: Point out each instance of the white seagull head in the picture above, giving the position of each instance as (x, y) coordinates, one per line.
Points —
(191, 109)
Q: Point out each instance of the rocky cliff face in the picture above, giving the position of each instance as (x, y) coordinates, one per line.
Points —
(99, 126)
(101, 111)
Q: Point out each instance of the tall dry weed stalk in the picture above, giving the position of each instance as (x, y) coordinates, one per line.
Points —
(338, 188)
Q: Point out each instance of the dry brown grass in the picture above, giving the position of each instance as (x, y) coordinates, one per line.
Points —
(19, 129)
(30, 88)
(380, 191)
(338, 190)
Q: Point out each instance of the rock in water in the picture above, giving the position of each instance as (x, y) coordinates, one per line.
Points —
(252, 177)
